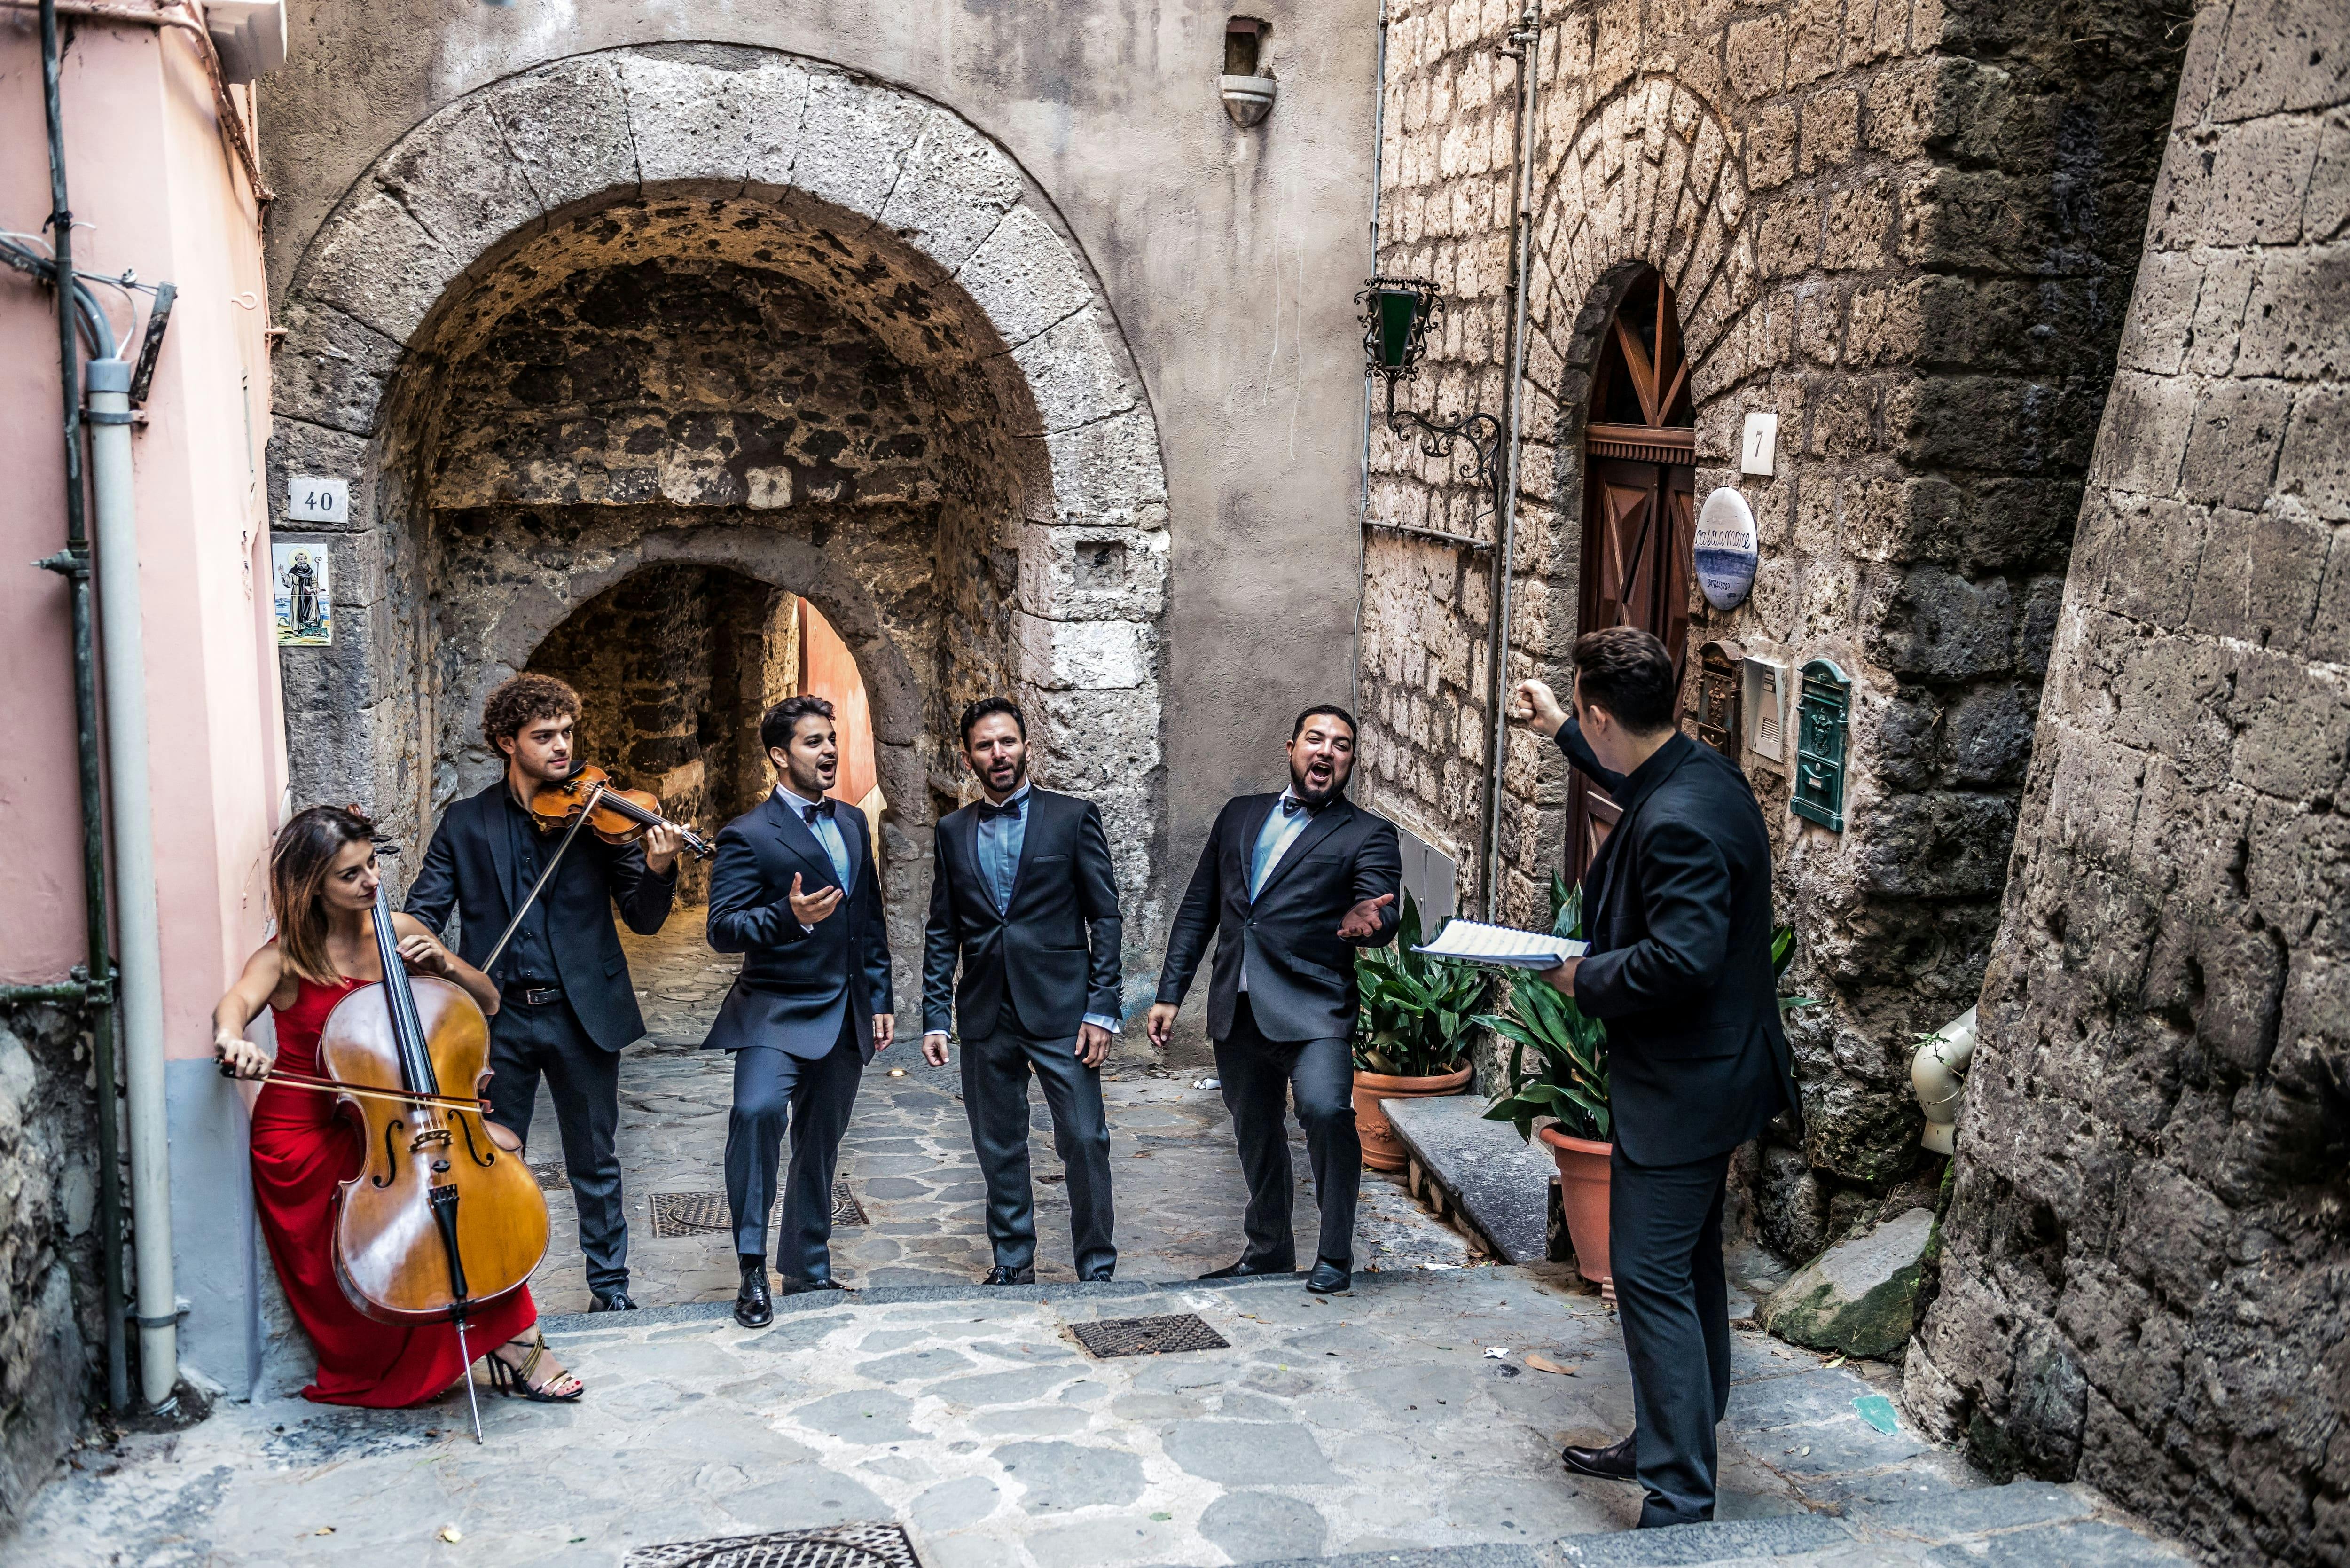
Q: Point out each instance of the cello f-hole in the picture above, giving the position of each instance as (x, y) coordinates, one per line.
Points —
(472, 1149)
(390, 1156)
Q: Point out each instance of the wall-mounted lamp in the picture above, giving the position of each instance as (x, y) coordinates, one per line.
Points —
(1248, 90)
(1397, 313)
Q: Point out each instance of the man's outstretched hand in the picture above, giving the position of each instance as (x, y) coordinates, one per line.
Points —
(1534, 702)
(1363, 919)
(809, 908)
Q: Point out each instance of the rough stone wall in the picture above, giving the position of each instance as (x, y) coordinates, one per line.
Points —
(673, 668)
(1908, 230)
(1029, 552)
(2146, 1269)
(52, 1330)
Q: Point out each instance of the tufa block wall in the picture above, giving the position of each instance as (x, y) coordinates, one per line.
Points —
(1906, 228)
(2145, 1275)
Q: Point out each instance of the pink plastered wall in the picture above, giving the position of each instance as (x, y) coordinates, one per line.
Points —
(154, 188)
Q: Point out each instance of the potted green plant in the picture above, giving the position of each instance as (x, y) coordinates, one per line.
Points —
(1410, 1033)
(1558, 1076)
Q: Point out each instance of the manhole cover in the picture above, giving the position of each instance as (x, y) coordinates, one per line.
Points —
(835, 1546)
(702, 1213)
(1112, 1336)
(690, 1214)
(551, 1175)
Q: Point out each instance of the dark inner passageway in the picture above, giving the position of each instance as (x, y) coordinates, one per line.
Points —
(674, 666)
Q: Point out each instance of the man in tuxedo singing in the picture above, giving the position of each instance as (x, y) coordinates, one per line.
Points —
(796, 889)
(1022, 894)
(1291, 884)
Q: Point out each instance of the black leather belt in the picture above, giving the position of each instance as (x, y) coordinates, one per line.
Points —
(539, 995)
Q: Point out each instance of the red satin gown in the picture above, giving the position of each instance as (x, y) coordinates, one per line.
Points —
(302, 1149)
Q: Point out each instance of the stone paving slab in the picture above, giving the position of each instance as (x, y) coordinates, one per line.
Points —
(1375, 1422)
(1497, 1180)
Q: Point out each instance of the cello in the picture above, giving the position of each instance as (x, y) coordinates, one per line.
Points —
(440, 1221)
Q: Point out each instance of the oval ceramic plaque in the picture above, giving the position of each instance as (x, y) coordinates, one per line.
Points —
(1726, 552)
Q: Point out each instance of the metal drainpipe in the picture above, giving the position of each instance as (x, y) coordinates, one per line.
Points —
(1363, 507)
(73, 563)
(1528, 52)
(138, 928)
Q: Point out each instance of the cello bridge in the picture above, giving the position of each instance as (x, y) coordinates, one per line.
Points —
(437, 1137)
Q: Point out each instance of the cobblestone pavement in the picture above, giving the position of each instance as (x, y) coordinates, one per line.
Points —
(908, 1164)
(1404, 1419)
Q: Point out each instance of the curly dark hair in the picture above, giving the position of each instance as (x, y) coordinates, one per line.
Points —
(521, 701)
(987, 705)
(775, 729)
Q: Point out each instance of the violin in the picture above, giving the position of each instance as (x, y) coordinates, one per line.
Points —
(440, 1221)
(616, 816)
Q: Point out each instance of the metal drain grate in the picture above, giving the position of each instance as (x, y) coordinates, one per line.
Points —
(1113, 1336)
(834, 1546)
(551, 1175)
(704, 1213)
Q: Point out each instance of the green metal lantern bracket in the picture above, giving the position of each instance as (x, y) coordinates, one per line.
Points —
(1822, 735)
(1396, 313)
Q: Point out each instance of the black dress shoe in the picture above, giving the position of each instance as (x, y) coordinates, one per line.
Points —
(1001, 1275)
(753, 1307)
(612, 1301)
(1245, 1270)
(793, 1285)
(1329, 1279)
(1099, 1277)
(1617, 1461)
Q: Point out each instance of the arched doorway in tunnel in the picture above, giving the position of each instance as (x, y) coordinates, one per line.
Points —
(674, 666)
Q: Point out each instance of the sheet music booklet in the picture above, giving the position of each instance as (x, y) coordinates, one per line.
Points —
(1469, 942)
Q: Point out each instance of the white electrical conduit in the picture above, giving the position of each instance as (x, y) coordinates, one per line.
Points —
(1938, 1074)
(138, 928)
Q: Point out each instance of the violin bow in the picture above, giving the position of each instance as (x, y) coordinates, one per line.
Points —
(595, 792)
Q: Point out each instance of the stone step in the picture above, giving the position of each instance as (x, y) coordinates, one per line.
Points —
(1497, 1183)
(2025, 1524)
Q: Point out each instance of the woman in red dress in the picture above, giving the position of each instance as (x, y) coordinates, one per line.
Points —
(322, 885)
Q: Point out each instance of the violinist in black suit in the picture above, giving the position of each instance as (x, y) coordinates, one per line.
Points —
(796, 889)
(1021, 892)
(1290, 885)
(1676, 906)
(568, 1005)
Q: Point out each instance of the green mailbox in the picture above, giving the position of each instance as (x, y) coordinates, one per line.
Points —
(1821, 741)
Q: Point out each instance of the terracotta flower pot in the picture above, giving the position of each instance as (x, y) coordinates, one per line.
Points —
(1382, 1149)
(1582, 1193)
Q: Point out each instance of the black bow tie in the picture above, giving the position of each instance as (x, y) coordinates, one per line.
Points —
(1291, 805)
(987, 810)
(820, 811)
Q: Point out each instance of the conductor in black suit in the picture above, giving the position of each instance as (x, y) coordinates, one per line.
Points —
(568, 1006)
(796, 889)
(1290, 884)
(1023, 893)
(1676, 906)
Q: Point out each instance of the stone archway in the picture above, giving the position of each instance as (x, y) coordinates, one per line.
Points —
(1014, 535)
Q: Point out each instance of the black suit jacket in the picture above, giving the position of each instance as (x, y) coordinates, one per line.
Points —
(1676, 906)
(470, 867)
(1301, 972)
(796, 985)
(1048, 960)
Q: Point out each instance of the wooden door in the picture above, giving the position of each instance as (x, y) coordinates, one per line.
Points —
(1639, 506)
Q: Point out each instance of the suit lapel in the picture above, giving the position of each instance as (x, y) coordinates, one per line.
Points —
(500, 833)
(1254, 828)
(793, 832)
(1325, 823)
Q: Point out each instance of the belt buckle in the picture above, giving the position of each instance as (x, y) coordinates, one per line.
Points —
(539, 996)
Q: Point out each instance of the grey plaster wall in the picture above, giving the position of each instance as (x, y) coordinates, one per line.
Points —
(1224, 261)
